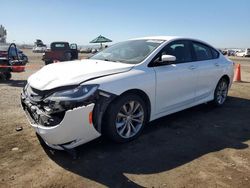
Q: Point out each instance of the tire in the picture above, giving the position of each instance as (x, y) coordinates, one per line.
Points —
(7, 75)
(220, 93)
(47, 62)
(125, 118)
(67, 56)
(2, 77)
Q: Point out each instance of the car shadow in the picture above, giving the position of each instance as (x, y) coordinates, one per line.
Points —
(14, 83)
(165, 144)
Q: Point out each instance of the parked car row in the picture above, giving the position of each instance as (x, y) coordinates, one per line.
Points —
(245, 53)
(236, 52)
(88, 50)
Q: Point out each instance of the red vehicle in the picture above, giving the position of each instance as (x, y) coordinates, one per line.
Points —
(60, 51)
(10, 61)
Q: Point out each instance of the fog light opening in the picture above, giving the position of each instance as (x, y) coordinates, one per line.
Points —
(90, 118)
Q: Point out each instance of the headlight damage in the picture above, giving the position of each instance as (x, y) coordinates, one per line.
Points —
(77, 94)
(48, 107)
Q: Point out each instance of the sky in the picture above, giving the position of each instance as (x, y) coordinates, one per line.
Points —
(222, 23)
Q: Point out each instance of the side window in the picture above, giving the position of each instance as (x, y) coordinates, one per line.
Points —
(179, 49)
(202, 52)
(215, 53)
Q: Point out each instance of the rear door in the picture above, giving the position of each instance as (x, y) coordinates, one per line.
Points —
(209, 69)
(176, 82)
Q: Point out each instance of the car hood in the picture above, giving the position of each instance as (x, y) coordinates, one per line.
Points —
(74, 72)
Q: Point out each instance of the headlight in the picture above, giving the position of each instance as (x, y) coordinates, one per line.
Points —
(79, 93)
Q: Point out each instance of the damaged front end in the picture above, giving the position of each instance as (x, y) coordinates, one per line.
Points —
(66, 117)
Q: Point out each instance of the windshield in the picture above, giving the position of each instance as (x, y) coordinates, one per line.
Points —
(133, 51)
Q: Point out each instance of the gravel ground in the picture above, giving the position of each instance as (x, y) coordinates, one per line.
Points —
(199, 147)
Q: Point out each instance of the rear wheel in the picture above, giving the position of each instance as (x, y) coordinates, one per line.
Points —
(7, 75)
(220, 93)
(125, 118)
(67, 56)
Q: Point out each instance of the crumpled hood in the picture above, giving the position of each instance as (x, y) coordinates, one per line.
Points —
(74, 72)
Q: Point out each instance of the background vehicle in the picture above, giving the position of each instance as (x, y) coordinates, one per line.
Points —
(231, 52)
(85, 50)
(39, 47)
(12, 53)
(245, 53)
(121, 88)
(60, 51)
(10, 62)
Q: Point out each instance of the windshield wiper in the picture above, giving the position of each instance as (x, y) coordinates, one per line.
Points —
(107, 60)
(110, 60)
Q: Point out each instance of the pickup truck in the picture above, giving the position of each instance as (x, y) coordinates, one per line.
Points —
(60, 51)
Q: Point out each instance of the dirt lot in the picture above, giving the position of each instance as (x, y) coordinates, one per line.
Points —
(199, 147)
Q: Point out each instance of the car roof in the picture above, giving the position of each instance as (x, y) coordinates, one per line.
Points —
(158, 38)
(167, 38)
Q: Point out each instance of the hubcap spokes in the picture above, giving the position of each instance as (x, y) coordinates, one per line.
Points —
(222, 92)
(129, 119)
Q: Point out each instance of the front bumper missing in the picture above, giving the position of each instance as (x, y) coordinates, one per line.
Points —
(74, 130)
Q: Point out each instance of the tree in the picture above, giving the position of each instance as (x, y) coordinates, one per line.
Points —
(3, 34)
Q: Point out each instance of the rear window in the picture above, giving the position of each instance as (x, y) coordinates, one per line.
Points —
(215, 53)
(204, 52)
(59, 45)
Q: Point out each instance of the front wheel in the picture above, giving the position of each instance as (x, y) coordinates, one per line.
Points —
(220, 93)
(125, 118)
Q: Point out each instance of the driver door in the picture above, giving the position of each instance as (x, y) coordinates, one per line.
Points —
(74, 51)
(175, 82)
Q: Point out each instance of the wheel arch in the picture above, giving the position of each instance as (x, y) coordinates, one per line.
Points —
(226, 77)
(105, 129)
(143, 95)
(137, 92)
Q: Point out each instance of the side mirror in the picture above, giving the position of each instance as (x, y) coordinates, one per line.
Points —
(168, 58)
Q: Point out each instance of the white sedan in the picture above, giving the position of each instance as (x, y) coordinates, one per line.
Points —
(118, 90)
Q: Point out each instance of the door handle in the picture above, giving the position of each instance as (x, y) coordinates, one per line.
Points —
(217, 64)
(192, 67)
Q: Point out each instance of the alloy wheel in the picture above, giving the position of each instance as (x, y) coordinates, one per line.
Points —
(221, 93)
(129, 119)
